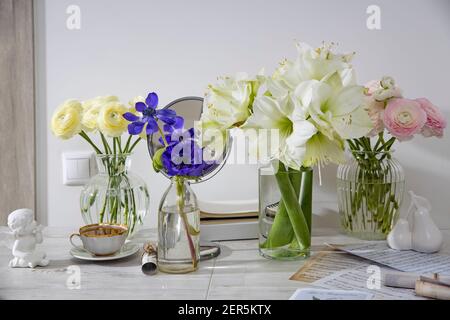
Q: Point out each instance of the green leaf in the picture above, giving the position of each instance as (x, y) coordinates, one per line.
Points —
(157, 161)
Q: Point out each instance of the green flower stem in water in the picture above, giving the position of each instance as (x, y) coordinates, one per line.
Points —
(305, 196)
(180, 200)
(282, 232)
(114, 166)
(371, 189)
(294, 210)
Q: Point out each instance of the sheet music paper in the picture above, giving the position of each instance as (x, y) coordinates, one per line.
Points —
(356, 279)
(321, 294)
(407, 261)
(325, 263)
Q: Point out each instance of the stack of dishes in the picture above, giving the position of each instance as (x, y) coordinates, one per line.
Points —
(228, 220)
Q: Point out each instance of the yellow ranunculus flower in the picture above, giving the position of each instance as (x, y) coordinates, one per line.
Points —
(66, 121)
(90, 117)
(110, 119)
(91, 110)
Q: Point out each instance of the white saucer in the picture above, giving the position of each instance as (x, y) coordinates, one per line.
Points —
(127, 250)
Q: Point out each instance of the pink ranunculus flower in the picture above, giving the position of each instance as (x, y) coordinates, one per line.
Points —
(404, 118)
(436, 122)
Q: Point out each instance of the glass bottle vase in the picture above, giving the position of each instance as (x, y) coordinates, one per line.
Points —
(115, 195)
(178, 229)
(285, 212)
(370, 188)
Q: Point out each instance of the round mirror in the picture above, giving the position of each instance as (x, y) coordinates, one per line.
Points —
(190, 108)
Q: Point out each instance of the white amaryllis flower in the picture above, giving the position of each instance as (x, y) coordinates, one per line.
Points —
(336, 110)
(289, 118)
(228, 103)
(311, 64)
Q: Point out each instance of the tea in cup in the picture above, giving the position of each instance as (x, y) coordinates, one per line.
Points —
(101, 239)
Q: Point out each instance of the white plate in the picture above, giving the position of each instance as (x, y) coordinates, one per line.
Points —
(127, 250)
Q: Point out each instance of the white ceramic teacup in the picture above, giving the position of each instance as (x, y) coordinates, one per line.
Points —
(101, 239)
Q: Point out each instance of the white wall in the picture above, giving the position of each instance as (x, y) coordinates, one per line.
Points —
(176, 48)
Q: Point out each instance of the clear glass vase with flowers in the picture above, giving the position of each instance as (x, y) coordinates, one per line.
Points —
(314, 104)
(371, 184)
(180, 157)
(114, 195)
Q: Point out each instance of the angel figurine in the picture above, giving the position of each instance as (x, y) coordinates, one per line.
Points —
(27, 233)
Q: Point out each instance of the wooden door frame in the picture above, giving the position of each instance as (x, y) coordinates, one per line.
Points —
(17, 101)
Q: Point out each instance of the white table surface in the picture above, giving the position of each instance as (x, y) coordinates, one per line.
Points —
(238, 273)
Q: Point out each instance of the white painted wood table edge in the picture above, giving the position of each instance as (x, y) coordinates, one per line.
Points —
(238, 273)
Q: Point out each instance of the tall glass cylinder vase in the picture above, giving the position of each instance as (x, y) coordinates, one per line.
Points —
(285, 211)
(115, 195)
(178, 229)
(370, 189)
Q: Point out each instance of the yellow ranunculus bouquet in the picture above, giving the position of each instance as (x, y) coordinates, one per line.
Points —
(113, 196)
(103, 115)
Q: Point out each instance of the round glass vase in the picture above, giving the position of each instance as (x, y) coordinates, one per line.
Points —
(178, 229)
(285, 212)
(115, 195)
(370, 188)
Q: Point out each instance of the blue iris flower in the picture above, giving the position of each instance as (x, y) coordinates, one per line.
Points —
(150, 116)
(175, 162)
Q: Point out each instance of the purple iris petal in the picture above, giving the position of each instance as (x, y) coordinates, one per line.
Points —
(177, 162)
(130, 117)
(179, 124)
(140, 106)
(167, 116)
(167, 113)
(152, 100)
(135, 127)
(152, 126)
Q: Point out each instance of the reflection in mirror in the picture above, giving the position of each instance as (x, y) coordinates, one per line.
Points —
(190, 108)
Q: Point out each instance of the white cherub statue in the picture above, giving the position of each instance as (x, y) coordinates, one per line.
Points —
(27, 233)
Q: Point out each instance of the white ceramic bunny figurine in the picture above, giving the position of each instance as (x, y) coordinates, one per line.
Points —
(27, 234)
(418, 231)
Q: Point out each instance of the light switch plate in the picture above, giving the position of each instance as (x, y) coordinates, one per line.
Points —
(78, 167)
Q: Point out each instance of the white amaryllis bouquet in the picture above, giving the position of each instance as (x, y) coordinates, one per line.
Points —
(315, 105)
(313, 101)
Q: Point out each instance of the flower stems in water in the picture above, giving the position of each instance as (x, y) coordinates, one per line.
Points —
(294, 211)
(372, 195)
(284, 233)
(119, 210)
(188, 228)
